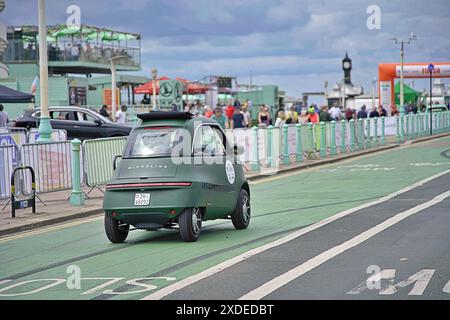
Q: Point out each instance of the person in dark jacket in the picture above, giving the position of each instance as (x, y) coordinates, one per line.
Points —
(324, 115)
(362, 114)
(382, 111)
(374, 113)
(104, 111)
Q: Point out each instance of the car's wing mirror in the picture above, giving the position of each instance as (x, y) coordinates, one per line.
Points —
(115, 161)
(98, 122)
(238, 150)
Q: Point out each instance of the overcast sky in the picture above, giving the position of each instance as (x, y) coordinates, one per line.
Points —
(295, 44)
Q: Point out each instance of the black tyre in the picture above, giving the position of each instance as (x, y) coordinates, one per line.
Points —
(116, 231)
(190, 223)
(241, 215)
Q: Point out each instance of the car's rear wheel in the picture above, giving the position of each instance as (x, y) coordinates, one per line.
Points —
(190, 223)
(116, 231)
(241, 215)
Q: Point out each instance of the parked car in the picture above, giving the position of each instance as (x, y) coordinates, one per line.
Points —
(437, 108)
(158, 185)
(81, 123)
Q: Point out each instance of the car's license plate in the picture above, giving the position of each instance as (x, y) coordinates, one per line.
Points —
(142, 199)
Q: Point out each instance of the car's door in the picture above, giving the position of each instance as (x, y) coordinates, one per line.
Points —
(210, 166)
(63, 120)
(89, 126)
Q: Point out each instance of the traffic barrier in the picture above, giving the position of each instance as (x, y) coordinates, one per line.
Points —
(9, 160)
(98, 157)
(51, 163)
(24, 203)
(57, 135)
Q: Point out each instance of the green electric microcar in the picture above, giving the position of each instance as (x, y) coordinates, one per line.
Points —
(176, 170)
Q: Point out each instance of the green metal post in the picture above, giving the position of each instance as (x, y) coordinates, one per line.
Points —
(343, 136)
(360, 125)
(375, 121)
(420, 124)
(269, 146)
(286, 145)
(399, 139)
(402, 128)
(323, 141)
(368, 139)
(310, 137)
(427, 123)
(333, 139)
(298, 136)
(383, 131)
(255, 160)
(77, 196)
(407, 117)
(352, 134)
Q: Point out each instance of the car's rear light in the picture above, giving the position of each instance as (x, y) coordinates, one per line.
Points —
(158, 128)
(148, 185)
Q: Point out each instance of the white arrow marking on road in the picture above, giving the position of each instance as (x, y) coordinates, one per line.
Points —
(313, 263)
(228, 263)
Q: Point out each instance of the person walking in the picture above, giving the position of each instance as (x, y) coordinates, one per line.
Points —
(312, 117)
(3, 117)
(292, 115)
(324, 115)
(121, 116)
(335, 113)
(238, 120)
(104, 111)
(263, 116)
(281, 119)
(374, 113)
(362, 114)
(382, 111)
(220, 118)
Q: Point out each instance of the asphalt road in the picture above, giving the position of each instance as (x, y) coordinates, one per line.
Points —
(317, 234)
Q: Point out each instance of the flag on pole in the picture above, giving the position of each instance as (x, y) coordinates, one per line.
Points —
(34, 85)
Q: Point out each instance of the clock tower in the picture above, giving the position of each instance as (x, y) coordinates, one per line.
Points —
(347, 67)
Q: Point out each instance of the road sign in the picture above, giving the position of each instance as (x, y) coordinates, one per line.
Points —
(171, 94)
(430, 67)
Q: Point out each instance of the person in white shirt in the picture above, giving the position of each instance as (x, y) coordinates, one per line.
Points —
(121, 116)
(335, 113)
(3, 117)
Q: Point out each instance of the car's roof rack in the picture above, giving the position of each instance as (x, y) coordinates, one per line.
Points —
(165, 115)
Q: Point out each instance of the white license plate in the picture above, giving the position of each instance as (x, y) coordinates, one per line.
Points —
(142, 199)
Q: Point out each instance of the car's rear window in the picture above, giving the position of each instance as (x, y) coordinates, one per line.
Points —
(152, 142)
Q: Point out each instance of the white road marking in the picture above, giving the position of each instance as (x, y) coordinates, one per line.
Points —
(313, 263)
(228, 263)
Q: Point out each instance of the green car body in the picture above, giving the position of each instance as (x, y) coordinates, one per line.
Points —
(195, 176)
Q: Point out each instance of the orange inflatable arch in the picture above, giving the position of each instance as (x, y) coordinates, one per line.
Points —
(388, 72)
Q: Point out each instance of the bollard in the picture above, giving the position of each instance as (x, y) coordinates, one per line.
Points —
(298, 136)
(407, 127)
(323, 141)
(368, 140)
(383, 131)
(399, 140)
(427, 123)
(286, 145)
(310, 137)
(360, 123)
(255, 160)
(420, 124)
(269, 147)
(333, 138)
(352, 135)
(402, 128)
(375, 121)
(77, 196)
(416, 125)
(343, 136)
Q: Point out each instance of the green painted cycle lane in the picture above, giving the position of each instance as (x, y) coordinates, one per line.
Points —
(278, 207)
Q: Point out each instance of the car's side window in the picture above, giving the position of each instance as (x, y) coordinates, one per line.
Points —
(59, 115)
(208, 142)
(220, 140)
(85, 117)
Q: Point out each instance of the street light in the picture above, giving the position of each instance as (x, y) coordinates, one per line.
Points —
(45, 127)
(411, 38)
(154, 77)
(113, 84)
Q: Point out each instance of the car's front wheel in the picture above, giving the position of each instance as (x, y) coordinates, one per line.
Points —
(241, 215)
(190, 224)
(116, 231)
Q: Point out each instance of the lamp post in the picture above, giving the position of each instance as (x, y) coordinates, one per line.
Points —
(411, 38)
(430, 70)
(113, 85)
(154, 77)
(45, 127)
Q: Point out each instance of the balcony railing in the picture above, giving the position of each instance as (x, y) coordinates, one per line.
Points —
(70, 52)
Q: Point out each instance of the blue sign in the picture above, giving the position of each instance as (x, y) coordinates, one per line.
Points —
(431, 68)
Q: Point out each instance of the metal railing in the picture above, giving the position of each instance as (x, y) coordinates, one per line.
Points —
(51, 163)
(9, 160)
(98, 159)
